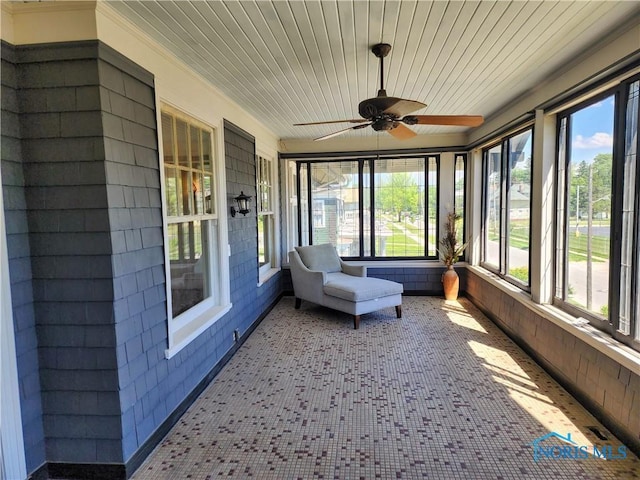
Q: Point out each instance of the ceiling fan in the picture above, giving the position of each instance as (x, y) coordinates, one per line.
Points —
(389, 114)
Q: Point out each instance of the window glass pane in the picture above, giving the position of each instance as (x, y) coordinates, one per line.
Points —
(292, 189)
(399, 193)
(196, 151)
(264, 231)
(459, 194)
(182, 143)
(334, 203)
(589, 206)
(187, 190)
(207, 160)
(432, 195)
(167, 140)
(189, 264)
(366, 209)
(629, 218)
(519, 212)
(198, 193)
(304, 204)
(561, 208)
(264, 184)
(173, 191)
(493, 189)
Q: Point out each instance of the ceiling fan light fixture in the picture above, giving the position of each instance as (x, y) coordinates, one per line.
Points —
(383, 124)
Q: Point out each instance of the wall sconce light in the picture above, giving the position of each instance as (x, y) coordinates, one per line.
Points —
(243, 202)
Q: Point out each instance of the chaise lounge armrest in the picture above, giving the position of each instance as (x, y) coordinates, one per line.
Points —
(308, 283)
(354, 270)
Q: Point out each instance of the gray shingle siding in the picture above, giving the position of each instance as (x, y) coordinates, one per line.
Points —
(82, 193)
(19, 264)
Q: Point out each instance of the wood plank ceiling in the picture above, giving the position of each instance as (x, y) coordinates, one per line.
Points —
(303, 61)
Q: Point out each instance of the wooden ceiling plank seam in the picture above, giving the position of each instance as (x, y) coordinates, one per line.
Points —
(393, 63)
(389, 31)
(247, 50)
(318, 25)
(459, 76)
(310, 67)
(212, 55)
(332, 26)
(462, 26)
(286, 78)
(144, 20)
(454, 83)
(219, 26)
(161, 34)
(414, 40)
(585, 23)
(434, 20)
(308, 81)
(346, 18)
(361, 47)
(517, 58)
(263, 96)
(375, 36)
(451, 15)
(310, 43)
(496, 32)
(226, 72)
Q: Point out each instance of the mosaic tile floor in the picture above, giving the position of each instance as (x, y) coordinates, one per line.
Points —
(438, 394)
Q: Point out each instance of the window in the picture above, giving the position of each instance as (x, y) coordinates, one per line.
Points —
(507, 207)
(598, 196)
(459, 196)
(191, 226)
(266, 215)
(371, 208)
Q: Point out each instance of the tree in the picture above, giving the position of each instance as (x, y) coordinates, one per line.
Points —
(601, 166)
(399, 193)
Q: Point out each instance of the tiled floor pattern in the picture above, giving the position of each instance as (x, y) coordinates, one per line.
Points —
(438, 394)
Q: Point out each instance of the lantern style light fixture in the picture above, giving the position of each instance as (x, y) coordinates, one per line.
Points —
(243, 203)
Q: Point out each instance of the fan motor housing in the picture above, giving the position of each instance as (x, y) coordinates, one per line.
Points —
(384, 123)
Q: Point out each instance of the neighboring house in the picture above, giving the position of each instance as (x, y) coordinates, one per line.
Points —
(96, 364)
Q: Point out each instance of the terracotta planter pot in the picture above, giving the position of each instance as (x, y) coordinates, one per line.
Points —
(450, 283)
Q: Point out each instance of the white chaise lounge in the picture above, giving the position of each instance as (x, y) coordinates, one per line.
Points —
(320, 276)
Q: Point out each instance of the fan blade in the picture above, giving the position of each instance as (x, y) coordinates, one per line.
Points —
(457, 120)
(401, 132)
(403, 107)
(340, 132)
(353, 120)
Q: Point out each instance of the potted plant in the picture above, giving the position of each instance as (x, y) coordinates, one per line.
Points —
(450, 251)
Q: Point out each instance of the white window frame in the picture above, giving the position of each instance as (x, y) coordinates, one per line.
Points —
(268, 270)
(290, 180)
(187, 326)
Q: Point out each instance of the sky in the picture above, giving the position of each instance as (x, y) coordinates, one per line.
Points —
(592, 131)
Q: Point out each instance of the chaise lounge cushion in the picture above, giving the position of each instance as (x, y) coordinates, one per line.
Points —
(320, 257)
(359, 289)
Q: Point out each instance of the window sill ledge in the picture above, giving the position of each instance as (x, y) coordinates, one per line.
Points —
(264, 278)
(603, 343)
(194, 328)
